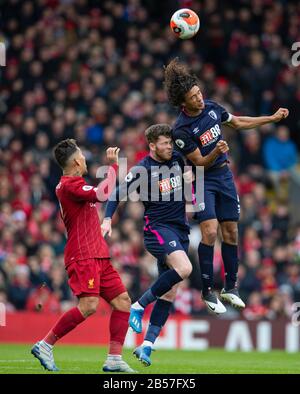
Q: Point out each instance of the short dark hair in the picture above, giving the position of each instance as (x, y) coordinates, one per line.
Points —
(156, 130)
(64, 150)
(178, 81)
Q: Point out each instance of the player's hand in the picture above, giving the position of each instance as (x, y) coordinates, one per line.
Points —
(222, 147)
(106, 227)
(112, 155)
(281, 113)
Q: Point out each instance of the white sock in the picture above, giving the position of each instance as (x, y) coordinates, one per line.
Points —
(46, 345)
(148, 343)
(136, 305)
(114, 357)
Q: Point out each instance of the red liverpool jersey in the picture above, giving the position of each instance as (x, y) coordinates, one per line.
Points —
(78, 208)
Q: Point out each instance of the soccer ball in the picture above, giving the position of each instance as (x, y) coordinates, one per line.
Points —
(185, 23)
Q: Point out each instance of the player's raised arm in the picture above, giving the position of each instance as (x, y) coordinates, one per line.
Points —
(116, 196)
(105, 187)
(73, 164)
(249, 122)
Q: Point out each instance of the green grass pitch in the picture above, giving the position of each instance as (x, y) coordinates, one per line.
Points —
(15, 358)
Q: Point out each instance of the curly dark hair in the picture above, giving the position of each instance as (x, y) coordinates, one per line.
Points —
(178, 81)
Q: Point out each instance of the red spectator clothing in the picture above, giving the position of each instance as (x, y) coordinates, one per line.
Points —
(42, 300)
(255, 312)
(79, 213)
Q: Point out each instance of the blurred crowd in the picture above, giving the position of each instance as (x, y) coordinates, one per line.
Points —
(93, 71)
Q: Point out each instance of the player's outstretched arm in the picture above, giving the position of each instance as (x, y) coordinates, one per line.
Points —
(249, 122)
(105, 187)
(78, 190)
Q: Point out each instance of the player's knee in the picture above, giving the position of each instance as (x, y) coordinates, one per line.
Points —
(231, 236)
(88, 306)
(185, 271)
(170, 296)
(122, 302)
(209, 236)
(90, 310)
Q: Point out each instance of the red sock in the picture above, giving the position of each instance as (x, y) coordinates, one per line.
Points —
(65, 324)
(118, 327)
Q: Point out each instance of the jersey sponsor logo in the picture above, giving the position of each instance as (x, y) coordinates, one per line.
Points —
(210, 135)
(87, 188)
(180, 143)
(129, 177)
(213, 115)
(173, 244)
(168, 184)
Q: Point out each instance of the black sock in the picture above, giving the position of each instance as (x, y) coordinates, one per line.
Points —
(163, 284)
(158, 318)
(206, 255)
(231, 264)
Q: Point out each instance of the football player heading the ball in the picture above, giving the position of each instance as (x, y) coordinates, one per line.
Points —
(197, 134)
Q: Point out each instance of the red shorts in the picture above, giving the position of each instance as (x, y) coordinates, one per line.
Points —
(94, 278)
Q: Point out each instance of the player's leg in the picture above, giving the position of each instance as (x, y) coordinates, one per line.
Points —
(162, 307)
(158, 318)
(43, 350)
(207, 220)
(209, 229)
(84, 283)
(179, 269)
(231, 262)
(228, 210)
(115, 293)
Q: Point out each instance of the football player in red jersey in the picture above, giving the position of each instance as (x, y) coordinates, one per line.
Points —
(87, 260)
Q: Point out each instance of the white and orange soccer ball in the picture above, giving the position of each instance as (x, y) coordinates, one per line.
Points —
(185, 23)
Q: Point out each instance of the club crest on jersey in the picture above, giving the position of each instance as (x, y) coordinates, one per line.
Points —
(179, 143)
(172, 243)
(213, 115)
(129, 177)
(91, 284)
(201, 206)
